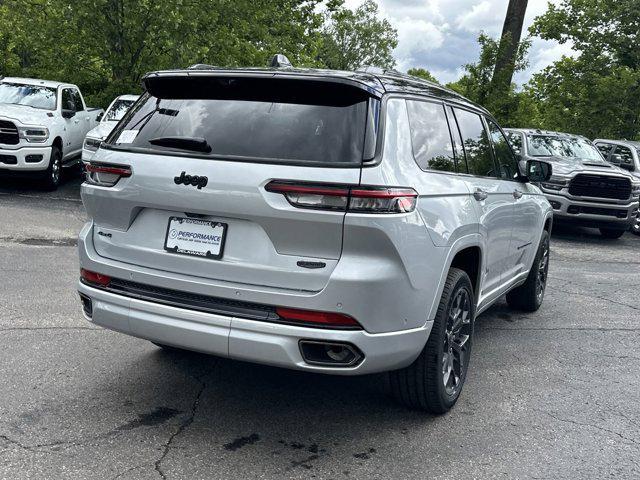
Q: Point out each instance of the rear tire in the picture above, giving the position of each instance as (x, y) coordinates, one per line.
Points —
(612, 233)
(51, 176)
(433, 382)
(530, 294)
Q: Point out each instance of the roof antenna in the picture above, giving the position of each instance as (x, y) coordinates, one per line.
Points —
(280, 61)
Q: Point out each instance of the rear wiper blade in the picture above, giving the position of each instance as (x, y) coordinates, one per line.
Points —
(194, 144)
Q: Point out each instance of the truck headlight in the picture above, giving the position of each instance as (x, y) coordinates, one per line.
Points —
(34, 134)
(635, 189)
(92, 144)
(555, 183)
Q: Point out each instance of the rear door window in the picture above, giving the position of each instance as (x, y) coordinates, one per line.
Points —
(432, 146)
(476, 144)
(266, 119)
(506, 160)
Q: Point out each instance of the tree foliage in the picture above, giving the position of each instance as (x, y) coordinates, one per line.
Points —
(105, 46)
(597, 93)
(476, 83)
(422, 73)
(355, 38)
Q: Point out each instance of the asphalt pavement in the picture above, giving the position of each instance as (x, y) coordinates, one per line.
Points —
(554, 394)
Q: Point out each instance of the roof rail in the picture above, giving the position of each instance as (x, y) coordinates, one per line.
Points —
(280, 61)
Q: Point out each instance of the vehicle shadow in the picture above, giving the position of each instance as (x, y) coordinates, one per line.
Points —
(25, 184)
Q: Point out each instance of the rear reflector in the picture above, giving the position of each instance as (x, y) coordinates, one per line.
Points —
(94, 278)
(363, 199)
(328, 319)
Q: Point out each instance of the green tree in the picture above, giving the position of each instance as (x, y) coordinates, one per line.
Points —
(476, 83)
(355, 38)
(507, 53)
(597, 93)
(422, 73)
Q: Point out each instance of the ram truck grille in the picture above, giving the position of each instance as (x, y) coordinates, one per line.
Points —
(8, 133)
(600, 186)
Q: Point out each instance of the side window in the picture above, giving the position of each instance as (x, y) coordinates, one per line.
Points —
(622, 157)
(605, 149)
(476, 144)
(68, 102)
(461, 162)
(515, 139)
(507, 163)
(432, 148)
(77, 100)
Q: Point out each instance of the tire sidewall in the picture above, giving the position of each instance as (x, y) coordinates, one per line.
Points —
(50, 182)
(438, 337)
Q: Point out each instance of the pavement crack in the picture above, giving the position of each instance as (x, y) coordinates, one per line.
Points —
(599, 297)
(590, 425)
(181, 429)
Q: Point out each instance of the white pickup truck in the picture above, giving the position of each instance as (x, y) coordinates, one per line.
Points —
(42, 127)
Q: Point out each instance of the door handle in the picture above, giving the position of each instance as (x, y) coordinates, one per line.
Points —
(480, 194)
(517, 194)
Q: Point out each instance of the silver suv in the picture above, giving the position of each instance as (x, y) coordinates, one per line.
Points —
(334, 222)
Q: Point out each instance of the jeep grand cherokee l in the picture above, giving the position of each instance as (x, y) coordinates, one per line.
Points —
(584, 189)
(334, 222)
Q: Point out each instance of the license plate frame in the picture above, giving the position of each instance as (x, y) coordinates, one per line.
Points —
(177, 249)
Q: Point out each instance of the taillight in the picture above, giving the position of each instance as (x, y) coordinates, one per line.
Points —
(106, 175)
(363, 199)
(327, 319)
(94, 278)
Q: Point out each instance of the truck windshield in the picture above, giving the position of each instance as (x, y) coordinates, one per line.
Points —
(36, 96)
(117, 110)
(554, 146)
(297, 122)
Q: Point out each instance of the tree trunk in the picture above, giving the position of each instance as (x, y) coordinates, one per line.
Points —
(509, 41)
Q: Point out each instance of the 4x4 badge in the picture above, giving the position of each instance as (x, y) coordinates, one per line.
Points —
(195, 180)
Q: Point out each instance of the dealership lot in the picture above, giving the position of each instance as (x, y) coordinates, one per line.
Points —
(554, 394)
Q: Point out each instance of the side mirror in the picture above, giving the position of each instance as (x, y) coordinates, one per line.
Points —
(99, 117)
(538, 171)
(68, 113)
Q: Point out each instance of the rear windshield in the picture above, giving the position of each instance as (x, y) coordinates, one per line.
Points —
(284, 121)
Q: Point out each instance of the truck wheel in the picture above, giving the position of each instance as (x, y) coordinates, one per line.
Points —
(433, 382)
(529, 295)
(51, 177)
(611, 232)
(635, 226)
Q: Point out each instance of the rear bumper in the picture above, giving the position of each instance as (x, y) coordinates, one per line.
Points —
(16, 159)
(593, 214)
(260, 341)
(249, 340)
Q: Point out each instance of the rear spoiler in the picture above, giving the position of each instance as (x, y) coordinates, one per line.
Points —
(203, 83)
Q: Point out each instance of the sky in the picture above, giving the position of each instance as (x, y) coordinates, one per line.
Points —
(441, 35)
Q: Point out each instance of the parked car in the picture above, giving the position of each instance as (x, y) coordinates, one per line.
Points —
(334, 222)
(110, 119)
(624, 154)
(584, 189)
(42, 126)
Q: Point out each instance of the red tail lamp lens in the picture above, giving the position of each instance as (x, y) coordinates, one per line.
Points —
(94, 278)
(329, 319)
